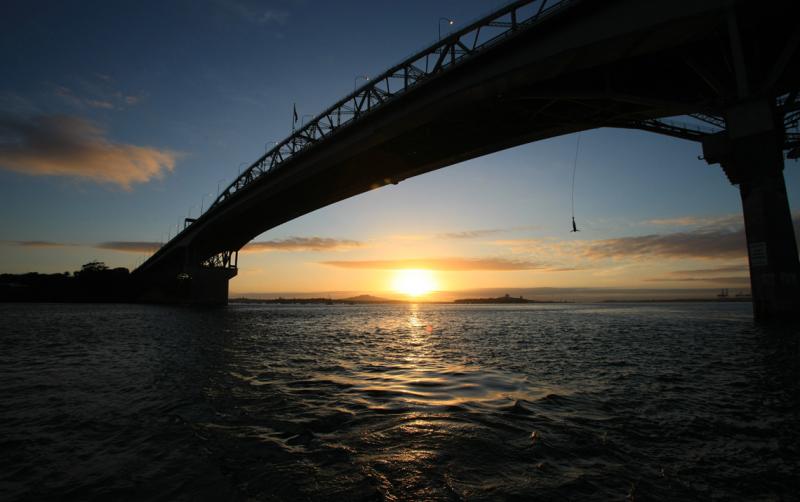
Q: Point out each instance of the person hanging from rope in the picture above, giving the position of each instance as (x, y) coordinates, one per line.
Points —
(575, 168)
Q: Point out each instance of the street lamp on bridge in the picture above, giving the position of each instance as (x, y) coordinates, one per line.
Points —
(203, 199)
(449, 22)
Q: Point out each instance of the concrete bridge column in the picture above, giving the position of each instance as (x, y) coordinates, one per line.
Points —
(750, 152)
(193, 286)
(206, 286)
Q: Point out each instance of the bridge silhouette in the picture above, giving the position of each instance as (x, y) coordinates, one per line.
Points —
(535, 69)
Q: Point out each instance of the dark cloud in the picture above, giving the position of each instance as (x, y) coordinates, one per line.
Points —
(709, 275)
(59, 145)
(290, 244)
(729, 280)
(712, 271)
(39, 244)
(441, 264)
(698, 221)
(303, 244)
(130, 246)
(724, 242)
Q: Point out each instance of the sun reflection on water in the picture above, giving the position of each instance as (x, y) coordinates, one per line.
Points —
(419, 372)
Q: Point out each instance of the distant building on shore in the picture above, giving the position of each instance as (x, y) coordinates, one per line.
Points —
(501, 299)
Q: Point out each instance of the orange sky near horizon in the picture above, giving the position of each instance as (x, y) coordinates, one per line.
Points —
(495, 259)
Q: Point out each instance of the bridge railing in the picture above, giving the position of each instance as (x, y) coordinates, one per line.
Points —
(425, 64)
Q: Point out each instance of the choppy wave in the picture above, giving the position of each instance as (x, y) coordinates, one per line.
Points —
(429, 402)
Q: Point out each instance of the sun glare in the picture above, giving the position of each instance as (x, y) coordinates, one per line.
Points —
(414, 282)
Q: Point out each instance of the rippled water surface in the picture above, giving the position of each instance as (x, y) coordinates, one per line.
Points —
(428, 402)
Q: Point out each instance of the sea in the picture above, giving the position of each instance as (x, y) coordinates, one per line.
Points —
(624, 402)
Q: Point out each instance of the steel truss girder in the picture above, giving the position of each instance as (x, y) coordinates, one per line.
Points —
(428, 63)
(225, 259)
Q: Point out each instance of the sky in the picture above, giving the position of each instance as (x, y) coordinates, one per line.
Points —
(119, 119)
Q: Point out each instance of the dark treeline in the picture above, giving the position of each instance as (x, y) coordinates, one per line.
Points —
(94, 282)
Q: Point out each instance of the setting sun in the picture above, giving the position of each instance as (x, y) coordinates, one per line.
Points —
(414, 282)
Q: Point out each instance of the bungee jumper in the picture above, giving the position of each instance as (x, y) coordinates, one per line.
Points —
(575, 168)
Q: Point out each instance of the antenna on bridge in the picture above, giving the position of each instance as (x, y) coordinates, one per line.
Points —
(574, 169)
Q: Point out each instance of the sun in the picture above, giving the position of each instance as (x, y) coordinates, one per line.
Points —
(413, 282)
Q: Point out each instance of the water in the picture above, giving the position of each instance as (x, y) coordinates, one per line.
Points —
(430, 402)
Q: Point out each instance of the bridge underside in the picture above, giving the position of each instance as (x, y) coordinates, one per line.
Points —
(598, 64)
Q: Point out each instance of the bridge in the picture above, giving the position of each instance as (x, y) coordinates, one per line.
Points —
(728, 70)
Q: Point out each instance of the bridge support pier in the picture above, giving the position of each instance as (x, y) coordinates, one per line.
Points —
(750, 152)
(206, 286)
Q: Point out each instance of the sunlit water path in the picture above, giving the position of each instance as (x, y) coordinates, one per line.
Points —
(428, 402)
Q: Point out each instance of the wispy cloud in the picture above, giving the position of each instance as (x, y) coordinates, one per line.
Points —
(290, 244)
(123, 246)
(708, 275)
(469, 234)
(733, 280)
(713, 243)
(724, 239)
(129, 246)
(272, 16)
(60, 145)
(105, 100)
(255, 12)
(718, 243)
(129, 99)
(409, 237)
(712, 271)
(15, 104)
(39, 244)
(697, 221)
(303, 244)
(440, 264)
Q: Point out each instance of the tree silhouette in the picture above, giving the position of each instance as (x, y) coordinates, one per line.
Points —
(92, 267)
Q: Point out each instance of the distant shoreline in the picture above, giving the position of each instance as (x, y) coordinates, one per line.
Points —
(96, 283)
(375, 300)
(465, 301)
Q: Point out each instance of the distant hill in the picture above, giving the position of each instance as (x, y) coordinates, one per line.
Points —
(360, 299)
(368, 299)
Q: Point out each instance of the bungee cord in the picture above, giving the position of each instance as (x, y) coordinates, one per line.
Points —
(574, 169)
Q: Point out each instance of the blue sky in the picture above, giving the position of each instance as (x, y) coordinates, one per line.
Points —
(180, 94)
